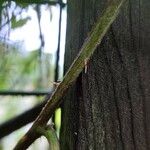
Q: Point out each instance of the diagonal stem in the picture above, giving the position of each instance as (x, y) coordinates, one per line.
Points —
(75, 69)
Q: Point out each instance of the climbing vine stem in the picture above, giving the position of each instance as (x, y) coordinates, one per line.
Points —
(90, 44)
(50, 134)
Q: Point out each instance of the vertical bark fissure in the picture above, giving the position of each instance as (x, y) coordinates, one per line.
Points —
(139, 87)
(92, 119)
(127, 88)
(122, 62)
(89, 114)
(80, 97)
(82, 24)
(117, 109)
(113, 84)
(116, 45)
(116, 76)
(103, 130)
(143, 109)
(140, 78)
(109, 75)
(82, 135)
(142, 84)
(143, 102)
(132, 48)
(101, 101)
(131, 115)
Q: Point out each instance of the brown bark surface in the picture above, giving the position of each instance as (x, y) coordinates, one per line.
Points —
(109, 106)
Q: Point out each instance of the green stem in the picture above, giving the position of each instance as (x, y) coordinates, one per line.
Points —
(75, 69)
(51, 136)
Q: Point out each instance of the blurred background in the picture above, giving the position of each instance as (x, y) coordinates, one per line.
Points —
(32, 43)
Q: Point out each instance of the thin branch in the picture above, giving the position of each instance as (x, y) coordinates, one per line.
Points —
(57, 67)
(76, 68)
(9, 19)
(38, 12)
(58, 46)
(23, 93)
(22, 120)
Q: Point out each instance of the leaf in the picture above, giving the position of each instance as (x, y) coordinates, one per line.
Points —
(18, 23)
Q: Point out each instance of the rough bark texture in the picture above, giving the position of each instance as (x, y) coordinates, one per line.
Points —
(109, 106)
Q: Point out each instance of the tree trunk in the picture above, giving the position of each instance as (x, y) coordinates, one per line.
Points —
(109, 106)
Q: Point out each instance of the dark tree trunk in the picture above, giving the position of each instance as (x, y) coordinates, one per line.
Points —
(109, 106)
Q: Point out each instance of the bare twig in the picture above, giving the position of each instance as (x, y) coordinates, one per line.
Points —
(77, 66)
(22, 119)
(23, 93)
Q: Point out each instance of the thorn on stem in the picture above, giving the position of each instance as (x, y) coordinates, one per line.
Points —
(86, 61)
(55, 84)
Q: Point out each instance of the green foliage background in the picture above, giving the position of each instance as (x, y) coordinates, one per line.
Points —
(19, 69)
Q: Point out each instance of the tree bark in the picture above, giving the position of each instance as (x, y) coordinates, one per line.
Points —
(109, 106)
